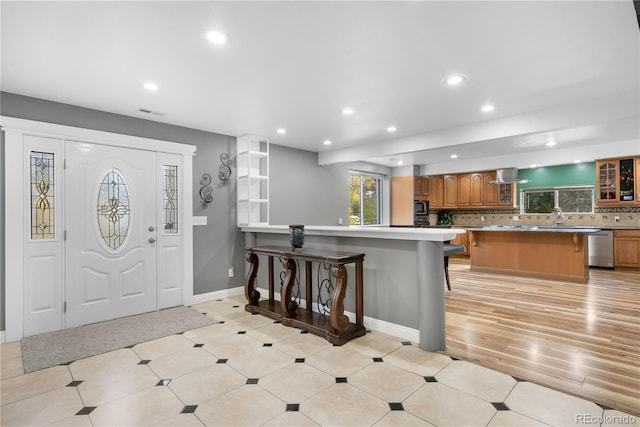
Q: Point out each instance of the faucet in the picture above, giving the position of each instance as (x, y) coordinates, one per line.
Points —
(558, 216)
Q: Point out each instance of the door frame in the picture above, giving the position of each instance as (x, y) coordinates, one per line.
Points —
(16, 199)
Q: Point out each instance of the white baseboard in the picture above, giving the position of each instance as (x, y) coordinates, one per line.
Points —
(212, 296)
(3, 337)
(382, 326)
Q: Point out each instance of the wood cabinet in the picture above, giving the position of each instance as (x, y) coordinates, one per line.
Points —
(617, 181)
(476, 196)
(421, 187)
(461, 239)
(506, 195)
(490, 190)
(464, 190)
(626, 248)
(402, 188)
(450, 185)
(436, 191)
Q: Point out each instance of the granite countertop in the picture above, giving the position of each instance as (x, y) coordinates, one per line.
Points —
(535, 228)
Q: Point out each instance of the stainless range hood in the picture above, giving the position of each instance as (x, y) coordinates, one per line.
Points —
(508, 176)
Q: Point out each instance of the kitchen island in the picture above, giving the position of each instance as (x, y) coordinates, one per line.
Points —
(403, 274)
(552, 252)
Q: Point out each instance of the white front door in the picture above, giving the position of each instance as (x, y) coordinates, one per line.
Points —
(111, 232)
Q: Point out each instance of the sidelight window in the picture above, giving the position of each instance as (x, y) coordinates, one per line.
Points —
(577, 199)
(365, 199)
(42, 195)
(170, 199)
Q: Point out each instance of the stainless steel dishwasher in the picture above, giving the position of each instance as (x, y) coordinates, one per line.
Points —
(601, 249)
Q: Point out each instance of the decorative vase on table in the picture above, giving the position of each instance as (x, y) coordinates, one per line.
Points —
(296, 236)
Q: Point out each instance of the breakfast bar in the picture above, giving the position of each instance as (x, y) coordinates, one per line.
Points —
(402, 279)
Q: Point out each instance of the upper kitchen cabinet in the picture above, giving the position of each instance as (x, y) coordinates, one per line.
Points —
(421, 187)
(450, 199)
(490, 190)
(617, 181)
(252, 188)
(436, 191)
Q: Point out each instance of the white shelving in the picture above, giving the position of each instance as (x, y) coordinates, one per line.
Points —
(252, 159)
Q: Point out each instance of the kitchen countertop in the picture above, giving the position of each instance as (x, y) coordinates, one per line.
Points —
(535, 228)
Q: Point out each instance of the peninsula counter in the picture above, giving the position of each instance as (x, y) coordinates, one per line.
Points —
(403, 276)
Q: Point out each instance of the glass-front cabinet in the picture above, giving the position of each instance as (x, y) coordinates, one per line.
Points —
(617, 181)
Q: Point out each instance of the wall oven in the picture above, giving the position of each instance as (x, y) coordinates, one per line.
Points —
(420, 213)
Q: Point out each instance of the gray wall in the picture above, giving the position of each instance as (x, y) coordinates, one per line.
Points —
(218, 245)
(302, 192)
(2, 244)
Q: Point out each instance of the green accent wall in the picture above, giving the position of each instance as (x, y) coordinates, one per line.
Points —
(558, 176)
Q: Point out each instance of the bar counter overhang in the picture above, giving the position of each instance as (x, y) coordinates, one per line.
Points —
(403, 273)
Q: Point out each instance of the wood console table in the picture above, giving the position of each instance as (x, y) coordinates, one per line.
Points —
(335, 327)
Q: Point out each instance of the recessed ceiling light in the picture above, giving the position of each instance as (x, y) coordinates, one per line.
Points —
(487, 108)
(550, 143)
(326, 142)
(150, 86)
(532, 166)
(217, 37)
(454, 79)
(347, 111)
(391, 129)
(577, 161)
(281, 131)
(400, 162)
(454, 156)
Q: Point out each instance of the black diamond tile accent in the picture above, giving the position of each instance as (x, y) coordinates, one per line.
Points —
(198, 345)
(130, 346)
(254, 314)
(242, 332)
(66, 363)
(300, 360)
(189, 409)
(180, 333)
(222, 360)
(267, 344)
(341, 380)
(222, 321)
(144, 362)
(431, 379)
(295, 407)
(406, 342)
(520, 380)
(163, 382)
(277, 321)
(236, 306)
(74, 383)
(86, 410)
(606, 408)
(304, 332)
(454, 358)
(377, 359)
(204, 314)
(500, 406)
(252, 380)
(219, 300)
(396, 406)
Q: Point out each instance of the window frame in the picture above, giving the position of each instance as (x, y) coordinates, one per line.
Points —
(556, 191)
(380, 180)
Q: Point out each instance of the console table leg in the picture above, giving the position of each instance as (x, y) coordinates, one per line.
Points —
(250, 292)
(288, 305)
(339, 321)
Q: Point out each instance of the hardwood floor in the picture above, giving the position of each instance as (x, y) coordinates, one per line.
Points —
(582, 339)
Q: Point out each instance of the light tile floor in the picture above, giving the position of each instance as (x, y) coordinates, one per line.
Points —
(248, 370)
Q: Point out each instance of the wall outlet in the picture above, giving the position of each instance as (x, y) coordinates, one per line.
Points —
(340, 221)
(231, 272)
(482, 218)
(516, 218)
(199, 220)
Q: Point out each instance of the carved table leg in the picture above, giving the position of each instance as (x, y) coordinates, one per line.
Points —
(339, 321)
(288, 305)
(250, 292)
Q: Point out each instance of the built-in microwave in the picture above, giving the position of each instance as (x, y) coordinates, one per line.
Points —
(420, 213)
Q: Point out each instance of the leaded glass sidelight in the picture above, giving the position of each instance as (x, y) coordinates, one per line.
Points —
(170, 198)
(42, 195)
(113, 209)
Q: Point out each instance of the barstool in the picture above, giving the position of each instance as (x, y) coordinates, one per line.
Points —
(450, 250)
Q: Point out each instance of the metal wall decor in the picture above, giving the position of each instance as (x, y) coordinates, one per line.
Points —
(206, 191)
(224, 170)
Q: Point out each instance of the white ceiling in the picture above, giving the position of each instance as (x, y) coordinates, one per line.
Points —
(568, 71)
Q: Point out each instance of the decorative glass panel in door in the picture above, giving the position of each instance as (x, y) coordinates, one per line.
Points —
(42, 195)
(113, 209)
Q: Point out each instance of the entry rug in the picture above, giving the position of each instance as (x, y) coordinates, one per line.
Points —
(58, 347)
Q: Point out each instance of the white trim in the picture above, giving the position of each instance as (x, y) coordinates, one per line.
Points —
(3, 337)
(382, 326)
(94, 136)
(212, 296)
